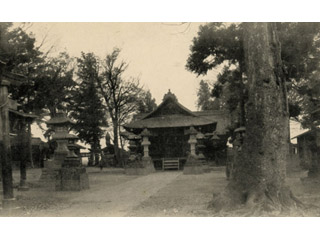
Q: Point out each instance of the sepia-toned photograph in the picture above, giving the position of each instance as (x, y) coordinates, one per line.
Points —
(160, 119)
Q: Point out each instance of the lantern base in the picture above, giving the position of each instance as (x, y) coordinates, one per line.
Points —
(72, 179)
(193, 166)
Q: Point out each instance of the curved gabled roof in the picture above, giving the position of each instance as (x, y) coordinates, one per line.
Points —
(170, 113)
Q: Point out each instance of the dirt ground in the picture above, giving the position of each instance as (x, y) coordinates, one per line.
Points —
(161, 194)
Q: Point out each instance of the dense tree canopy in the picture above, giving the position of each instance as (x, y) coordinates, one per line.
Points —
(86, 107)
(54, 83)
(20, 55)
(220, 44)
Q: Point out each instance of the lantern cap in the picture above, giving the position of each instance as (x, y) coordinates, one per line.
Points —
(191, 131)
(63, 135)
(60, 119)
(145, 133)
(200, 135)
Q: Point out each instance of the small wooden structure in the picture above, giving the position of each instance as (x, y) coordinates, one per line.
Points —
(308, 144)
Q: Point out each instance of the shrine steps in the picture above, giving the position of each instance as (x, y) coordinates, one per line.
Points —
(170, 164)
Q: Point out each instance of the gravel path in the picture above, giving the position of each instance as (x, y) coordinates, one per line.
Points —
(120, 199)
(186, 196)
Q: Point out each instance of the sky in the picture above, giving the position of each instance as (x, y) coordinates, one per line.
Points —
(156, 52)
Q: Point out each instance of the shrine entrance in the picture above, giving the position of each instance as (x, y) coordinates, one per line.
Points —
(171, 145)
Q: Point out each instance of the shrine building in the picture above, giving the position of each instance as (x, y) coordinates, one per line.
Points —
(170, 125)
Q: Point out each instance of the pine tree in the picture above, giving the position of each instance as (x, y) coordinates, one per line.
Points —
(87, 107)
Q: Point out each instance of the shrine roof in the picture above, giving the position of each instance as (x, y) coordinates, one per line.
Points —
(170, 121)
(170, 113)
(308, 132)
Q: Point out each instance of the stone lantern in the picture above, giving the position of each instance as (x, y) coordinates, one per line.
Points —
(139, 165)
(64, 171)
(60, 125)
(133, 138)
(193, 164)
(215, 141)
(145, 143)
(192, 140)
(200, 146)
(147, 161)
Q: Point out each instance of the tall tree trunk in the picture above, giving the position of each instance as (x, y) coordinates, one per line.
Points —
(115, 140)
(260, 172)
(120, 138)
(97, 153)
(5, 151)
(30, 157)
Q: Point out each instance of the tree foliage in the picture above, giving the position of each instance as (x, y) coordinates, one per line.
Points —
(20, 55)
(54, 84)
(48, 81)
(87, 107)
(145, 102)
(205, 100)
(17, 49)
(215, 44)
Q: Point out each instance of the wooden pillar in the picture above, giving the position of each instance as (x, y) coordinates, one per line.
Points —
(24, 155)
(5, 151)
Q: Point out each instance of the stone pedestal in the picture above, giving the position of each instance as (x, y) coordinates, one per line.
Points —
(193, 166)
(50, 175)
(72, 179)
